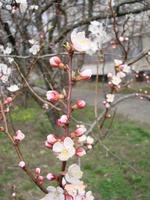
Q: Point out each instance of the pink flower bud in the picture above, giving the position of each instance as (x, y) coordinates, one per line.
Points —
(62, 121)
(8, 100)
(55, 61)
(50, 177)
(19, 136)
(80, 151)
(80, 130)
(21, 164)
(48, 145)
(52, 95)
(37, 171)
(51, 139)
(81, 104)
(41, 179)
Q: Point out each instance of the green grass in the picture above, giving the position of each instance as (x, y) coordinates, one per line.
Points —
(109, 174)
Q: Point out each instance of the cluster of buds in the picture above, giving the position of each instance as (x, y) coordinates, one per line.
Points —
(121, 71)
(75, 144)
(6, 103)
(109, 99)
(38, 176)
(114, 81)
(121, 68)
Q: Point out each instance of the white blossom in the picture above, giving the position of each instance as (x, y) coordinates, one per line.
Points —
(98, 36)
(79, 41)
(110, 98)
(74, 174)
(116, 80)
(7, 51)
(34, 49)
(23, 5)
(4, 72)
(64, 149)
(13, 88)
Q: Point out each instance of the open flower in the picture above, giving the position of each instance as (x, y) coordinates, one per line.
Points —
(64, 149)
(79, 41)
(110, 98)
(4, 72)
(116, 80)
(34, 49)
(13, 88)
(74, 174)
(23, 5)
(75, 189)
(54, 194)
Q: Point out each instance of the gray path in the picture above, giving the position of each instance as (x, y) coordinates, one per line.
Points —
(134, 108)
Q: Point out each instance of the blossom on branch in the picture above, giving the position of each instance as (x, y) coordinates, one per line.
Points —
(19, 136)
(62, 121)
(56, 62)
(5, 72)
(79, 41)
(53, 96)
(79, 104)
(13, 88)
(64, 149)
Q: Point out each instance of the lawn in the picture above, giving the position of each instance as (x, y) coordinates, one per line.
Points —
(116, 169)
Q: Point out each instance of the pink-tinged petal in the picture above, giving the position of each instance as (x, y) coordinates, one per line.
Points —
(58, 147)
(68, 143)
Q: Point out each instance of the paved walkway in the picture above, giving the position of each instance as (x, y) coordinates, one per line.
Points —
(133, 108)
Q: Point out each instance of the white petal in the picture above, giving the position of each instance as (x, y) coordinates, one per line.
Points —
(68, 143)
(58, 147)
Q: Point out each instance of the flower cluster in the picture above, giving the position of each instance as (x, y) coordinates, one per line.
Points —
(35, 47)
(75, 144)
(73, 187)
(121, 72)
